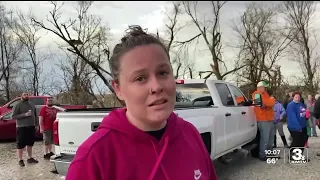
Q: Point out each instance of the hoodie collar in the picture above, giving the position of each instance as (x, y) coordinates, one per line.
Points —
(117, 121)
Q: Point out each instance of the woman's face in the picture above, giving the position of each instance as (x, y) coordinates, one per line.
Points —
(147, 84)
(296, 98)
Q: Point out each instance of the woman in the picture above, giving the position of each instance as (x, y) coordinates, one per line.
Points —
(279, 113)
(308, 127)
(145, 140)
(310, 106)
(296, 112)
(316, 110)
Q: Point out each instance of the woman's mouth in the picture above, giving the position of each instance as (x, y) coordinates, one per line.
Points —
(158, 102)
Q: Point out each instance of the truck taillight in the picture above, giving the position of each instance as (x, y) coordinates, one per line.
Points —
(56, 132)
(179, 81)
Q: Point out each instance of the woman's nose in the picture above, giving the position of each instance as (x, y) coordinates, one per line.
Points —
(156, 86)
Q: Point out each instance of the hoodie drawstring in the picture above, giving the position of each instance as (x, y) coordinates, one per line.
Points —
(159, 158)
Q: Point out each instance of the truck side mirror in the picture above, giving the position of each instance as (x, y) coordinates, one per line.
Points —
(248, 103)
(257, 101)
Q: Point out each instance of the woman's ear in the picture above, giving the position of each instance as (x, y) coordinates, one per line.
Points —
(117, 90)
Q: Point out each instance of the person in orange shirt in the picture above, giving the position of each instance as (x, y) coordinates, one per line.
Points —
(264, 116)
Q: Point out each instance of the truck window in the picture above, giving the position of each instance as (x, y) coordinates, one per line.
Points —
(225, 94)
(14, 103)
(8, 116)
(193, 95)
(238, 95)
(37, 101)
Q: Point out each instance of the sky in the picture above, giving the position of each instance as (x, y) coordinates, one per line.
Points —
(118, 15)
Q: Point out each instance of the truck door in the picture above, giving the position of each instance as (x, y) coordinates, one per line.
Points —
(245, 116)
(230, 116)
(7, 127)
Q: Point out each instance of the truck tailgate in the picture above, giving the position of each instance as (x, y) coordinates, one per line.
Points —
(73, 123)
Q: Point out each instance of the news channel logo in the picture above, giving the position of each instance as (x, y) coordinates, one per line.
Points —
(298, 155)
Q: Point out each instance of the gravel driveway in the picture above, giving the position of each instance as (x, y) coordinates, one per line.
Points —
(239, 169)
(10, 170)
(252, 169)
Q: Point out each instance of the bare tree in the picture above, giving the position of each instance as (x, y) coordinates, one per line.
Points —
(209, 30)
(79, 77)
(52, 84)
(10, 49)
(262, 42)
(76, 77)
(299, 15)
(98, 92)
(174, 25)
(185, 67)
(27, 32)
(89, 30)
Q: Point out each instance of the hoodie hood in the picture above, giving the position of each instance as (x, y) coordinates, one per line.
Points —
(117, 121)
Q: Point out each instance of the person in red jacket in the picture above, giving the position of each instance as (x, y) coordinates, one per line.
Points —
(145, 140)
(46, 118)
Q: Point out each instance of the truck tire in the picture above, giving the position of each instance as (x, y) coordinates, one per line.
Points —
(255, 151)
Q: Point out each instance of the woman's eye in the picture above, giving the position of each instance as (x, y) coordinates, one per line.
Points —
(162, 73)
(139, 79)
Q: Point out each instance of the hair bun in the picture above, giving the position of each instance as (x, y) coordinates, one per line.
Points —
(136, 30)
(133, 31)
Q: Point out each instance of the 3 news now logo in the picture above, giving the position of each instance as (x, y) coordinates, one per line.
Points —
(298, 155)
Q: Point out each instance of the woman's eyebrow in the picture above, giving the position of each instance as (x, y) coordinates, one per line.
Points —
(163, 65)
(139, 71)
(145, 69)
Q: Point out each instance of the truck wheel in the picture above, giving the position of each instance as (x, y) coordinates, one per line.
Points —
(255, 151)
(225, 159)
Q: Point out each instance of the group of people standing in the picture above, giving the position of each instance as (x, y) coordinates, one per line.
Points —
(28, 123)
(301, 120)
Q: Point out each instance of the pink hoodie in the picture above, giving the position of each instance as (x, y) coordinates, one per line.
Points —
(120, 151)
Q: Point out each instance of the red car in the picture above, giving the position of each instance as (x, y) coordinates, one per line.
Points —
(8, 125)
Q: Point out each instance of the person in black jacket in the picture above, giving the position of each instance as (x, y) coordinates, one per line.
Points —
(316, 110)
(287, 99)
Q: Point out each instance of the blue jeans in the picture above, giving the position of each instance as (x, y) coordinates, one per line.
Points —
(313, 127)
(267, 132)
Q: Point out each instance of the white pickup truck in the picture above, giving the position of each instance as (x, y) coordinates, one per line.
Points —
(219, 110)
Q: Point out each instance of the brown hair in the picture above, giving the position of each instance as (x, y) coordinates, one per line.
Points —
(295, 93)
(135, 36)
